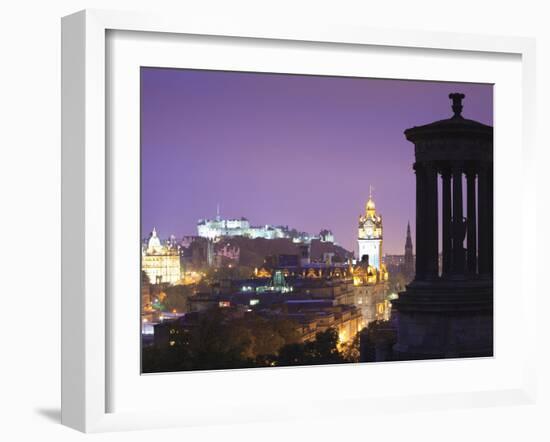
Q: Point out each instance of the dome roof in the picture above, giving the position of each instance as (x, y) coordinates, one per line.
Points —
(370, 204)
(154, 245)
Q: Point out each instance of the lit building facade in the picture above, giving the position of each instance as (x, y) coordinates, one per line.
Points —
(326, 236)
(370, 289)
(370, 235)
(318, 316)
(161, 262)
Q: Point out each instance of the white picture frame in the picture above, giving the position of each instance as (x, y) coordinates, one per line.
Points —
(86, 356)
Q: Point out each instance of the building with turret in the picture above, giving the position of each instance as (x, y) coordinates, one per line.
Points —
(370, 276)
(161, 262)
(370, 235)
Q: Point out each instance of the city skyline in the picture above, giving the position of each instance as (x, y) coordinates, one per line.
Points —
(284, 149)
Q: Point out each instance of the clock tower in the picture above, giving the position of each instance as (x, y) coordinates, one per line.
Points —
(370, 234)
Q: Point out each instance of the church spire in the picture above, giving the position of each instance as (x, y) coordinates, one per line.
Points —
(408, 267)
(408, 241)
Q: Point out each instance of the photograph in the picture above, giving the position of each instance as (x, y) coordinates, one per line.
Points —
(300, 220)
(305, 221)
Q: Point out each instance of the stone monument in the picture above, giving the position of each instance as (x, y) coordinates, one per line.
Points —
(447, 310)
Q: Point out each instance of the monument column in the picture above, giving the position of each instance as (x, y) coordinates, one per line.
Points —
(483, 214)
(446, 221)
(490, 220)
(472, 221)
(420, 226)
(458, 222)
(431, 235)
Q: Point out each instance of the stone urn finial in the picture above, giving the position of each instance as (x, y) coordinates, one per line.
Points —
(457, 104)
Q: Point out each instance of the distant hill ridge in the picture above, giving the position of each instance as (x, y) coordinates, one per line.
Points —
(254, 251)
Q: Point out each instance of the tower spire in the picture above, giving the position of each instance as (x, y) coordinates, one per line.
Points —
(408, 267)
(370, 210)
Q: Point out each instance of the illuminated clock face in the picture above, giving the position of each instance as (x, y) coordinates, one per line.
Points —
(369, 231)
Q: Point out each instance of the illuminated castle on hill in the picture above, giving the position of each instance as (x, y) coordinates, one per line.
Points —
(370, 234)
(219, 227)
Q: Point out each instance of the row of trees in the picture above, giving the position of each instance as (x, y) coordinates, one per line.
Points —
(218, 342)
(325, 349)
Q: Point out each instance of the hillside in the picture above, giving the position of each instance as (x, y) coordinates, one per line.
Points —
(254, 251)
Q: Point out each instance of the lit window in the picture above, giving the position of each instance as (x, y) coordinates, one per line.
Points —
(254, 301)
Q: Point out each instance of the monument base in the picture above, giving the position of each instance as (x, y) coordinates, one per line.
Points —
(444, 319)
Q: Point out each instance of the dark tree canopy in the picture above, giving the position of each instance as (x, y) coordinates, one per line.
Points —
(219, 342)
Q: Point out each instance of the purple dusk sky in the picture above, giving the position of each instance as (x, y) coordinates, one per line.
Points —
(286, 149)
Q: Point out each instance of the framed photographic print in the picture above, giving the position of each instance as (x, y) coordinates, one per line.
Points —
(257, 212)
(301, 151)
